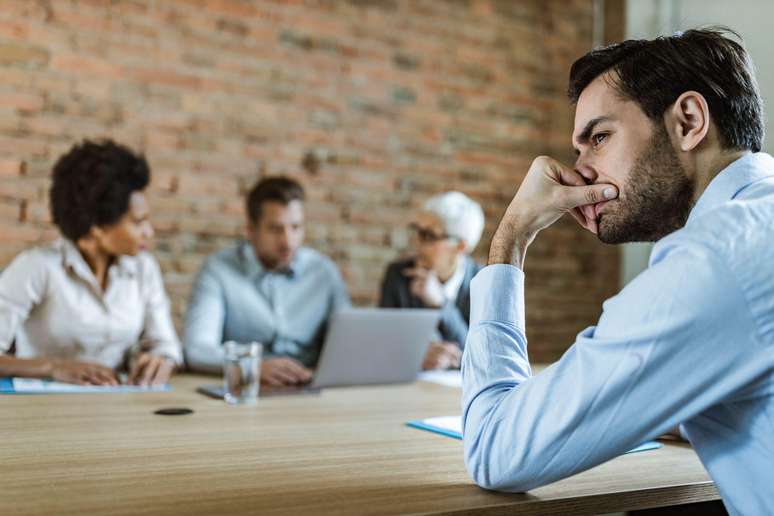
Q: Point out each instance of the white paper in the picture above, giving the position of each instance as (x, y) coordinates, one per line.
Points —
(451, 378)
(451, 423)
(34, 386)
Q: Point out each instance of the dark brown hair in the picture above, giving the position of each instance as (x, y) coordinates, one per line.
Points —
(278, 188)
(653, 73)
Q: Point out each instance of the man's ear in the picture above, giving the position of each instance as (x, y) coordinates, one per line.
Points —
(689, 119)
(461, 245)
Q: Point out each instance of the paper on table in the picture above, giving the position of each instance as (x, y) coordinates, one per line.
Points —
(451, 426)
(35, 386)
(451, 378)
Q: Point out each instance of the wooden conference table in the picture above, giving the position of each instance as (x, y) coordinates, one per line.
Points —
(344, 451)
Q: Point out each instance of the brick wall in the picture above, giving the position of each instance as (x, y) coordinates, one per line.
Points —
(373, 104)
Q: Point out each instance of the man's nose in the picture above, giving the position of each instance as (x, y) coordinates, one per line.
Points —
(584, 168)
(286, 236)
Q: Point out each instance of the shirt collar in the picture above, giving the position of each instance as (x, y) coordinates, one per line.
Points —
(72, 257)
(737, 176)
(253, 267)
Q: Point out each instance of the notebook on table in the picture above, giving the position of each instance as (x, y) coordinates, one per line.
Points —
(36, 386)
(451, 426)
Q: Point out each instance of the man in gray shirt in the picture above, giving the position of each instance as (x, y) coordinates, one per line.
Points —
(268, 289)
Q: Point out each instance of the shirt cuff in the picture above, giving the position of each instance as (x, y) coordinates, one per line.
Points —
(497, 294)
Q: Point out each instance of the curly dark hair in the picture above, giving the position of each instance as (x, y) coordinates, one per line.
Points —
(92, 185)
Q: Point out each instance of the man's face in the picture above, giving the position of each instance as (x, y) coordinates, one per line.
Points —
(618, 144)
(278, 233)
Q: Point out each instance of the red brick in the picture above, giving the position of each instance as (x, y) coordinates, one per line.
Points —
(373, 110)
(12, 167)
(79, 64)
(22, 55)
(20, 233)
(13, 29)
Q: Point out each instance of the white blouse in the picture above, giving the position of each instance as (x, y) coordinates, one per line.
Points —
(52, 305)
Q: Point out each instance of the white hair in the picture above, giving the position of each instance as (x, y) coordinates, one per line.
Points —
(461, 216)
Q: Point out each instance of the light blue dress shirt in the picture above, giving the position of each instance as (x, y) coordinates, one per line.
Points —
(690, 340)
(236, 298)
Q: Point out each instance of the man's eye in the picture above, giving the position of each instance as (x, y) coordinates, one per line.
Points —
(598, 138)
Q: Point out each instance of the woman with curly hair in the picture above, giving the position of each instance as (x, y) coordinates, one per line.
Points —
(93, 301)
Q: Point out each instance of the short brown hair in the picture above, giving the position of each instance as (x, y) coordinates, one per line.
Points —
(654, 73)
(278, 189)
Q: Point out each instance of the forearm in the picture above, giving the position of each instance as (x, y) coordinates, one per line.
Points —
(606, 394)
(204, 357)
(26, 367)
(521, 431)
(204, 326)
(164, 348)
(510, 242)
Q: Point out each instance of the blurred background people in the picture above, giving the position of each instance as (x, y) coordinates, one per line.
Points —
(267, 288)
(438, 273)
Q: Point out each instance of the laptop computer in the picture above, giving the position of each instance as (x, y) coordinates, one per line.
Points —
(365, 346)
(374, 346)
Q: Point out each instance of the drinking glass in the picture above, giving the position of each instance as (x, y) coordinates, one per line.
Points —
(242, 372)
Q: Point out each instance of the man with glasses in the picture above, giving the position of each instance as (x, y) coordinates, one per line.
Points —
(439, 272)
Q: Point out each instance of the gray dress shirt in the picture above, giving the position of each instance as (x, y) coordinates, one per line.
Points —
(53, 306)
(236, 298)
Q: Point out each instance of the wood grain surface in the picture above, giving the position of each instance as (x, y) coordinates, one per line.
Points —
(344, 451)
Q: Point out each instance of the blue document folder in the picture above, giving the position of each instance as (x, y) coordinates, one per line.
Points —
(35, 386)
(451, 426)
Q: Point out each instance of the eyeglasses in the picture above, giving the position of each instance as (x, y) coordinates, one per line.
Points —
(427, 235)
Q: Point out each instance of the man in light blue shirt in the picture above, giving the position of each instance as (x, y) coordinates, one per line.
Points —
(268, 289)
(667, 134)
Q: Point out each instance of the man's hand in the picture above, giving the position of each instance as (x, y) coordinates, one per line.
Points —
(426, 286)
(548, 191)
(284, 371)
(150, 370)
(82, 373)
(442, 355)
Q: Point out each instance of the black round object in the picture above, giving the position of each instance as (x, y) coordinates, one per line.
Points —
(173, 411)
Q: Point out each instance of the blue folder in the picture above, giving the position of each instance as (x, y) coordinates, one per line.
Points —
(49, 387)
(422, 425)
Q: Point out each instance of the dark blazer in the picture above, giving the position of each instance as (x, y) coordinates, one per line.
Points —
(455, 316)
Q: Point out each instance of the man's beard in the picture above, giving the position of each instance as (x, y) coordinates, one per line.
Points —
(659, 197)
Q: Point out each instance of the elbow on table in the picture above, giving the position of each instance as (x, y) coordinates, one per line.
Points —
(499, 470)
